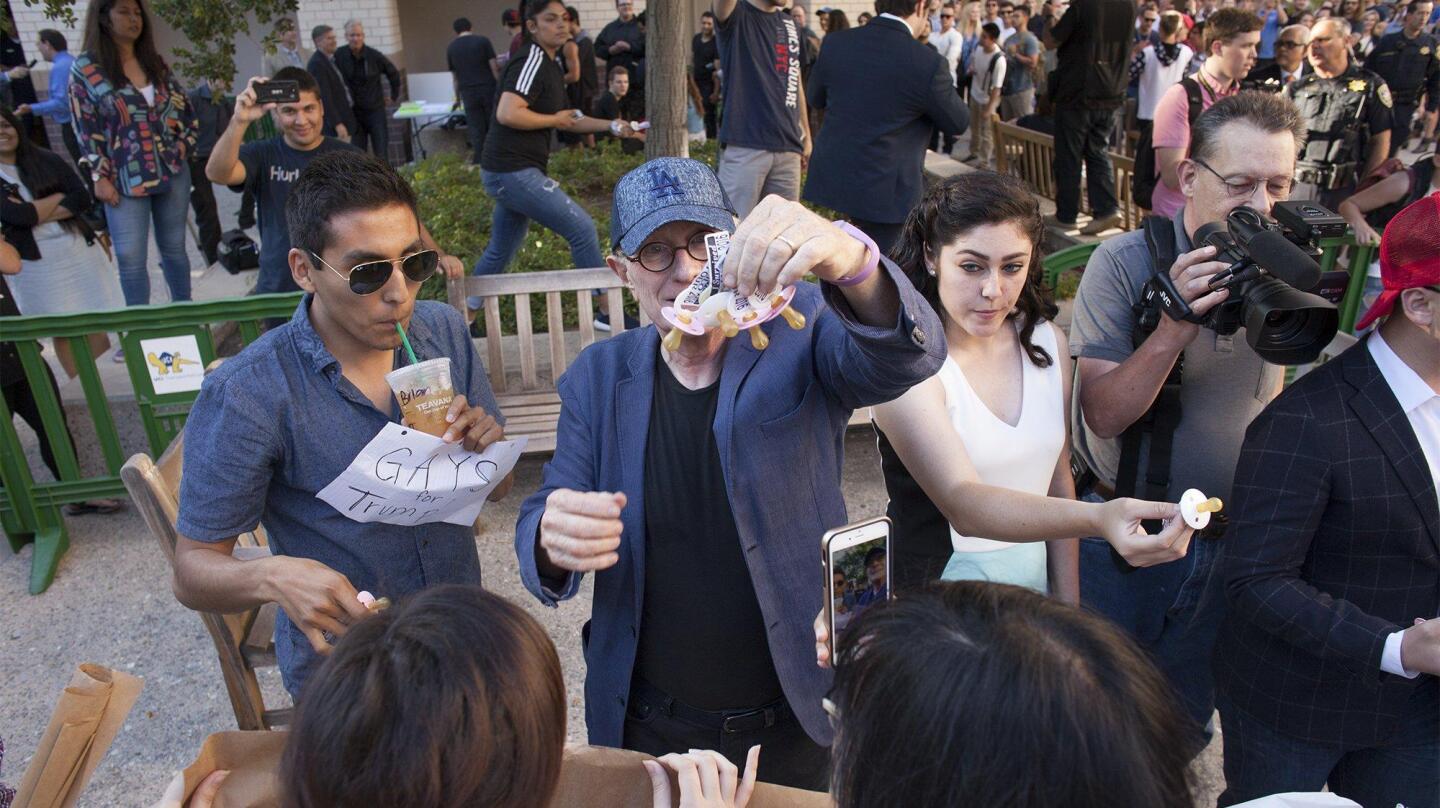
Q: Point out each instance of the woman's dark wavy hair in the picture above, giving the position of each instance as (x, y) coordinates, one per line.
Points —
(452, 697)
(40, 169)
(977, 694)
(100, 43)
(957, 205)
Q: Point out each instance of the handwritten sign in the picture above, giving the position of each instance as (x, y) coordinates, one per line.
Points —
(174, 363)
(405, 477)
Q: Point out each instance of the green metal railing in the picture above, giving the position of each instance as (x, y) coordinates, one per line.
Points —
(31, 511)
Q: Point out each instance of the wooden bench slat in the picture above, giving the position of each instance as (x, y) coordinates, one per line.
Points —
(524, 330)
(527, 399)
(586, 304)
(555, 316)
(494, 344)
(557, 280)
(616, 306)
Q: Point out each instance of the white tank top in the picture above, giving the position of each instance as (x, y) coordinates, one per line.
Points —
(1020, 457)
(1158, 78)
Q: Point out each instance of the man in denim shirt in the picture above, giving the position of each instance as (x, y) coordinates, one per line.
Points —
(276, 424)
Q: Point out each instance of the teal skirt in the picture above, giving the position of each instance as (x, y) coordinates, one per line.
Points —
(1022, 565)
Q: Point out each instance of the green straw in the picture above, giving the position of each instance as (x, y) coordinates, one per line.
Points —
(414, 360)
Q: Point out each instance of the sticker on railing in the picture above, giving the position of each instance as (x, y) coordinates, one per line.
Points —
(174, 363)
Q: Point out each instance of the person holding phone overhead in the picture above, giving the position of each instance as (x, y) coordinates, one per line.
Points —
(136, 127)
(696, 483)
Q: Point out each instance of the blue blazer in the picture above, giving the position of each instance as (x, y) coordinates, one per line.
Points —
(884, 94)
(780, 429)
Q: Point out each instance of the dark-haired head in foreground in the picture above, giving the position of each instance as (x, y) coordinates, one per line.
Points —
(452, 697)
(979, 694)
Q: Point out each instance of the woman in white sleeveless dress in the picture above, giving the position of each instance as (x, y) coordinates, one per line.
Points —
(996, 414)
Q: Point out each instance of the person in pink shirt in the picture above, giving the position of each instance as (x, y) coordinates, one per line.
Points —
(1231, 38)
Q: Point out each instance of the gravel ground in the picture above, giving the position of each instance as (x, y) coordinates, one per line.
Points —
(111, 604)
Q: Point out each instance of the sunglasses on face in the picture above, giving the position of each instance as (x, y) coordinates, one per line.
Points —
(369, 277)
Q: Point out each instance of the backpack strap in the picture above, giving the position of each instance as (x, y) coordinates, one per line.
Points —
(1194, 97)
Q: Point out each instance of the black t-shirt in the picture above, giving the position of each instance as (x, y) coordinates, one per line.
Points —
(540, 81)
(271, 167)
(702, 634)
(761, 54)
(469, 59)
(702, 61)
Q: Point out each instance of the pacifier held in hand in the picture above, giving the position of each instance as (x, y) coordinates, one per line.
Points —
(1195, 508)
(707, 305)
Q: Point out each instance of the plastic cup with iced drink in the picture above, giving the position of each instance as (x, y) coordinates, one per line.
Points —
(424, 392)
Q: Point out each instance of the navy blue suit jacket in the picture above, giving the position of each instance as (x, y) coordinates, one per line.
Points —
(884, 94)
(1334, 544)
(780, 431)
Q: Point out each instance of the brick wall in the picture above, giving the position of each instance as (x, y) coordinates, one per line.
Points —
(380, 18)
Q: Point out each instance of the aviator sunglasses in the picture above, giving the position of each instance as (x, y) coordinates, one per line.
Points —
(371, 276)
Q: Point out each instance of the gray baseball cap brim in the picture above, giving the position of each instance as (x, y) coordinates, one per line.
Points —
(708, 215)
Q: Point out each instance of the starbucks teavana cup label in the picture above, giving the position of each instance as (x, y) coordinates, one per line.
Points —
(424, 391)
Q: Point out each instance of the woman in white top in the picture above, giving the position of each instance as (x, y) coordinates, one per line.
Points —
(996, 413)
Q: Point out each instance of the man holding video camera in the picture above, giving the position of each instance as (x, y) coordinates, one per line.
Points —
(1163, 402)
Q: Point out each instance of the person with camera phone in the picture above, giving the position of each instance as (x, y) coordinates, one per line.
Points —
(1164, 402)
(268, 168)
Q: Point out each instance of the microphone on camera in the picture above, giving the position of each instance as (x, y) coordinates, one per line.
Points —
(1281, 258)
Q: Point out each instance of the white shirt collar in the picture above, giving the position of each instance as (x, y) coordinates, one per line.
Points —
(901, 20)
(1410, 390)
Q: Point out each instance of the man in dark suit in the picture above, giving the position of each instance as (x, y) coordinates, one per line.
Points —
(1290, 62)
(883, 94)
(334, 95)
(1327, 659)
(363, 66)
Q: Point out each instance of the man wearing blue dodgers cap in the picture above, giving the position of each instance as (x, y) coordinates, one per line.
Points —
(696, 483)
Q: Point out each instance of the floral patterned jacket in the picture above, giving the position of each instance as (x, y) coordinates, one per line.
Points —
(136, 145)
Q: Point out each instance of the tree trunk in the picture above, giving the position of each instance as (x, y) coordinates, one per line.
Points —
(665, 73)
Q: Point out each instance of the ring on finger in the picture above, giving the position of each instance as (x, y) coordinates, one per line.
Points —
(788, 243)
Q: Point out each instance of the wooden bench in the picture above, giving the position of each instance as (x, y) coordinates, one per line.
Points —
(1030, 155)
(244, 641)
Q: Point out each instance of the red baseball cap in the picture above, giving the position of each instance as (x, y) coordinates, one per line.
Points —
(1409, 255)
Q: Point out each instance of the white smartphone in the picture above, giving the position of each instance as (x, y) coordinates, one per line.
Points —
(857, 574)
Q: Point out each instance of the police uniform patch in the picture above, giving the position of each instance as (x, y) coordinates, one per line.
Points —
(1357, 86)
(1384, 92)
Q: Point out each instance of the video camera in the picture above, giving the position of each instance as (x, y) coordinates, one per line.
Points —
(1272, 270)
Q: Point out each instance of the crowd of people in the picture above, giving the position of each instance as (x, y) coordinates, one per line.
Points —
(1039, 582)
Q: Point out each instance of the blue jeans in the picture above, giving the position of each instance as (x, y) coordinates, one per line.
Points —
(130, 232)
(1172, 610)
(1405, 770)
(528, 194)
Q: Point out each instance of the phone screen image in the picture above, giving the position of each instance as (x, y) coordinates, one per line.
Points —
(859, 578)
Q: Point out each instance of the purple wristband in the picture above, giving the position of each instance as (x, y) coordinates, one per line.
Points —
(872, 251)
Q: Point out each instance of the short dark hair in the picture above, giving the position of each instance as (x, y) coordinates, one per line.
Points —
(1056, 683)
(53, 38)
(1022, 8)
(336, 183)
(1229, 22)
(707, 13)
(1170, 22)
(454, 696)
(300, 76)
(319, 31)
(955, 206)
(572, 14)
(900, 8)
(1411, 7)
(875, 552)
(1268, 112)
(991, 30)
(617, 70)
(461, 25)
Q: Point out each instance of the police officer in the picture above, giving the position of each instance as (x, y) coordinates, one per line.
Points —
(1408, 62)
(1346, 110)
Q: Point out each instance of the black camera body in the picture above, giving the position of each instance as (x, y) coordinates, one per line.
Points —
(1272, 268)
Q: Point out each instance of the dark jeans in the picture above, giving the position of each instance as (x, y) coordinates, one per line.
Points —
(1172, 610)
(21, 401)
(787, 755)
(885, 234)
(477, 104)
(372, 131)
(1405, 770)
(1082, 133)
(207, 215)
(711, 110)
